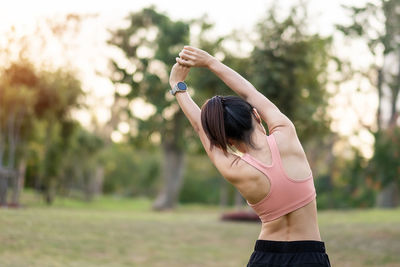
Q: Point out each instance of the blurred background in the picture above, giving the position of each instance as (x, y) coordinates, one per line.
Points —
(93, 148)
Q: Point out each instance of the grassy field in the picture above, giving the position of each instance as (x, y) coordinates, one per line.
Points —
(112, 232)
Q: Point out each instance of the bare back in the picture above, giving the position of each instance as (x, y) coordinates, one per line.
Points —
(300, 224)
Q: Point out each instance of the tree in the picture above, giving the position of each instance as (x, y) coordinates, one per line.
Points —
(288, 65)
(17, 99)
(385, 165)
(39, 94)
(57, 93)
(28, 99)
(379, 26)
(150, 43)
(81, 168)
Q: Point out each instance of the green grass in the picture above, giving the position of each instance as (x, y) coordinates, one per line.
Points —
(120, 232)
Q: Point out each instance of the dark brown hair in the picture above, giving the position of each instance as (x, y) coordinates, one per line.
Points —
(224, 117)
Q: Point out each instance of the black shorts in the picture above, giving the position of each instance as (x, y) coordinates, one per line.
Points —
(289, 253)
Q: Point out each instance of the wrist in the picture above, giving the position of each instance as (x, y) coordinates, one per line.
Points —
(178, 87)
(212, 63)
(172, 84)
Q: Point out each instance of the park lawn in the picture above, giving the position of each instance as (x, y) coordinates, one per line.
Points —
(104, 233)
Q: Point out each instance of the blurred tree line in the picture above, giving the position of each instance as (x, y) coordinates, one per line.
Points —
(43, 147)
(377, 24)
(287, 65)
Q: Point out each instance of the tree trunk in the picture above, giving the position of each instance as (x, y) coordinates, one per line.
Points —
(19, 181)
(46, 179)
(395, 93)
(96, 185)
(5, 176)
(3, 187)
(380, 93)
(389, 196)
(172, 175)
(224, 198)
(49, 193)
(238, 199)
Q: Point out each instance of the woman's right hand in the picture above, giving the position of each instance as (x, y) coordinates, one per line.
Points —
(194, 57)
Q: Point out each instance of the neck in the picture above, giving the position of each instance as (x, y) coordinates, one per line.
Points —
(259, 140)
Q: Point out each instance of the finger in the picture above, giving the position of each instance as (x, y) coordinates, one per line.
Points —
(186, 56)
(190, 48)
(182, 67)
(193, 49)
(185, 68)
(188, 52)
(184, 62)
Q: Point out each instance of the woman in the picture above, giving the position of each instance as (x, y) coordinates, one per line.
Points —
(272, 174)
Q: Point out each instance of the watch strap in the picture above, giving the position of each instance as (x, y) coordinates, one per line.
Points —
(176, 89)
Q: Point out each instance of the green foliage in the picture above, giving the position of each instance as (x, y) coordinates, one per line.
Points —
(385, 164)
(17, 99)
(351, 187)
(201, 181)
(130, 172)
(151, 43)
(378, 25)
(289, 67)
(58, 93)
(163, 39)
(35, 110)
(81, 162)
(363, 24)
(67, 164)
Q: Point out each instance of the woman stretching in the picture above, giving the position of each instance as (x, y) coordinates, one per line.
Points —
(272, 174)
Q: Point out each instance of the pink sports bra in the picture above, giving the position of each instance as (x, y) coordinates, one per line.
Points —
(285, 194)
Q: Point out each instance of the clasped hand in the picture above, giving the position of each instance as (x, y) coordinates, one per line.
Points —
(188, 57)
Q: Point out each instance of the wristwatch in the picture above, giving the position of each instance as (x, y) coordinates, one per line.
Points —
(179, 87)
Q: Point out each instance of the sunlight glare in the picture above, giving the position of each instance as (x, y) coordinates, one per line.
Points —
(141, 109)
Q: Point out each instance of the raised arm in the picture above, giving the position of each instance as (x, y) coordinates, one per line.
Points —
(194, 57)
(223, 161)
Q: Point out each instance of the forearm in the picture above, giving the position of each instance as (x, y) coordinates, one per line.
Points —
(190, 109)
(232, 79)
(243, 88)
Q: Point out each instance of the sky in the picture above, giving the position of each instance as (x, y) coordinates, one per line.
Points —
(227, 16)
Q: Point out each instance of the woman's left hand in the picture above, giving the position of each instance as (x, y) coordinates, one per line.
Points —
(178, 74)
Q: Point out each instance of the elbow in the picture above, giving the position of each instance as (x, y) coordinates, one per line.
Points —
(290, 125)
(197, 127)
(246, 98)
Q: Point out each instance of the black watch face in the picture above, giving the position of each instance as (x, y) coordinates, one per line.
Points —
(181, 86)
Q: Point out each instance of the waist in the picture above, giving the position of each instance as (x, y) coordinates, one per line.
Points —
(301, 224)
(288, 235)
(277, 208)
(298, 246)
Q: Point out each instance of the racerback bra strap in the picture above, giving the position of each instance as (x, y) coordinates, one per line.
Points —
(273, 146)
(260, 165)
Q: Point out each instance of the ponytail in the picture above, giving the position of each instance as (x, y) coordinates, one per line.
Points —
(227, 117)
(212, 120)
